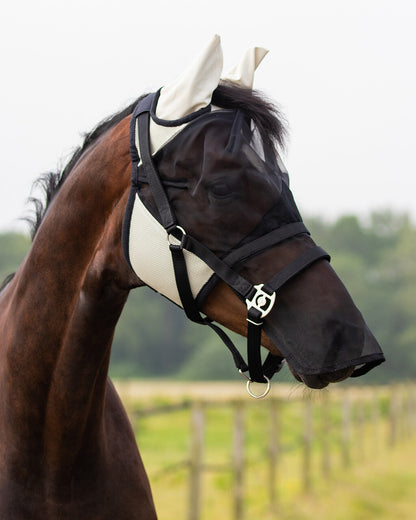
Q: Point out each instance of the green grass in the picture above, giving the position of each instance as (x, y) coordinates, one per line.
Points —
(379, 484)
(382, 488)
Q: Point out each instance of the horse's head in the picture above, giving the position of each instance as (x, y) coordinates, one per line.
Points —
(218, 187)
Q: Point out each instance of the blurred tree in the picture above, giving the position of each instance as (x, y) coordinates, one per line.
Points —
(13, 249)
(149, 339)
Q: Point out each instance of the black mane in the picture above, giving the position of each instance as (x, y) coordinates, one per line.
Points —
(51, 182)
(265, 115)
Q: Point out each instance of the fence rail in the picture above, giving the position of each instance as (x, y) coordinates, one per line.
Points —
(333, 430)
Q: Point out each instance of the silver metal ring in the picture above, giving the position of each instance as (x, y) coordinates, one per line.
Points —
(261, 395)
(170, 236)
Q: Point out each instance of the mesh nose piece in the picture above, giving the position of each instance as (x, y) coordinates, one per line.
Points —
(308, 355)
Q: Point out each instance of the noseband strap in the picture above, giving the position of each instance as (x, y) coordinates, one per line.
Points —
(259, 299)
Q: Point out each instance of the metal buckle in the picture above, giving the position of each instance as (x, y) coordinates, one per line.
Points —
(261, 301)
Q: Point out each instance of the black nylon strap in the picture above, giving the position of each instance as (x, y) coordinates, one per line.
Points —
(253, 346)
(237, 357)
(258, 371)
(183, 285)
(190, 308)
(295, 267)
(142, 106)
(272, 365)
(245, 252)
(232, 278)
(167, 216)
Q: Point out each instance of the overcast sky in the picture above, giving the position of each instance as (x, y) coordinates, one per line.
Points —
(343, 73)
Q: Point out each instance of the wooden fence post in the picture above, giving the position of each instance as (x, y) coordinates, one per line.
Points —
(325, 434)
(238, 460)
(375, 419)
(412, 410)
(394, 418)
(274, 447)
(346, 431)
(196, 450)
(360, 440)
(307, 445)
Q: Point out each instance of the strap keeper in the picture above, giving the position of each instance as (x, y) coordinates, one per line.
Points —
(256, 323)
(254, 316)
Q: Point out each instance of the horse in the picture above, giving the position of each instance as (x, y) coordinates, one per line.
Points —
(67, 449)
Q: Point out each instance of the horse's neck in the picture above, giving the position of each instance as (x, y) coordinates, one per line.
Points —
(60, 311)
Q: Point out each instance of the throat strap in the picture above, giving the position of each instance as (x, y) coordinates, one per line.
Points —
(191, 309)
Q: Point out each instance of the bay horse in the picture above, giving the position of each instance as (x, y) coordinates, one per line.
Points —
(67, 450)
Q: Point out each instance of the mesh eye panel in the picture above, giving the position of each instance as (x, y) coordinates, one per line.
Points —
(223, 149)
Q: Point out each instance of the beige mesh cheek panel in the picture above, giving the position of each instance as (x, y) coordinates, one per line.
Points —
(152, 261)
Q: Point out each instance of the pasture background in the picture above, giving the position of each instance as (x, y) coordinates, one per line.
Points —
(376, 481)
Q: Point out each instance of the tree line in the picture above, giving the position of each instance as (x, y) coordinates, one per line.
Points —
(374, 256)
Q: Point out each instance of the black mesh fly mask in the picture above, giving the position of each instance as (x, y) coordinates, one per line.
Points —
(185, 269)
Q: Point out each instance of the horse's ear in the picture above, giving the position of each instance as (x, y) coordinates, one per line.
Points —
(193, 89)
(242, 74)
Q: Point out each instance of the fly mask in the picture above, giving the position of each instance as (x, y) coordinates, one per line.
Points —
(185, 270)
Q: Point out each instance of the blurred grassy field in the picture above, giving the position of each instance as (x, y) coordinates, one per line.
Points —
(382, 488)
(379, 484)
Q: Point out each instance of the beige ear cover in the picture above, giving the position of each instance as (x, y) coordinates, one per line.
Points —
(188, 93)
(193, 89)
(242, 74)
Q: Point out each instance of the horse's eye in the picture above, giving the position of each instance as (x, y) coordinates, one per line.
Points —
(221, 189)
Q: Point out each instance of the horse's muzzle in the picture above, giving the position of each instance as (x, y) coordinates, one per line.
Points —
(327, 353)
(323, 380)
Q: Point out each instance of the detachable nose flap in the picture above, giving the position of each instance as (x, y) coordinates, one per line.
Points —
(339, 347)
